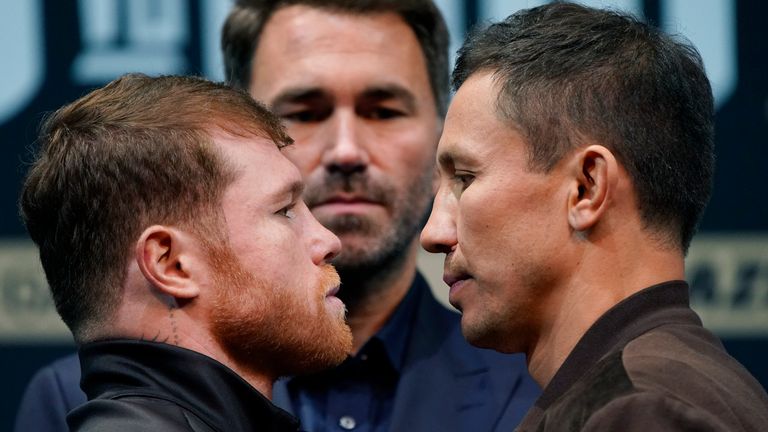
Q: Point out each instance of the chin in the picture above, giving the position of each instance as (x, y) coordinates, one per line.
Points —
(481, 335)
(330, 352)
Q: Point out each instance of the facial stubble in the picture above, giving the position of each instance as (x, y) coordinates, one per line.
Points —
(372, 248)
(271, 329)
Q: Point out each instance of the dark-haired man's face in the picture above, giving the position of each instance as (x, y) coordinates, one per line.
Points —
(501, 225)
(355, 95)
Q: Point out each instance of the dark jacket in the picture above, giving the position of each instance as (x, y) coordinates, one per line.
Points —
(148, 386)
(646, 365)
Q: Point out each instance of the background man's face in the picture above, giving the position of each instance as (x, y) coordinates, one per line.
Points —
(500, 224)
(355, 95)
(273, 287)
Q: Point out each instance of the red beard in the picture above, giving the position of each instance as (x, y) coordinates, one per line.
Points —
(275, 330)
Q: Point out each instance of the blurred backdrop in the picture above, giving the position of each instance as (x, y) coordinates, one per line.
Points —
(54, 51)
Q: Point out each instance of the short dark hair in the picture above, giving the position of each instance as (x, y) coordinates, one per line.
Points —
(568, 72)
(245, 23)
(134, 153)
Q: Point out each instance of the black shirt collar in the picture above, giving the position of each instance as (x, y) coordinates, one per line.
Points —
(396, 332)
(194, 381)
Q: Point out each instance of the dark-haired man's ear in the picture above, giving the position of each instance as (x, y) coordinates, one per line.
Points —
(164, 256)
(595, 175)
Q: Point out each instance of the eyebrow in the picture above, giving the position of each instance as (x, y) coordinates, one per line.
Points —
(294, 189)
(299, 95)
(450, 157)
(376, 93)
(445, 159)
(391, 91)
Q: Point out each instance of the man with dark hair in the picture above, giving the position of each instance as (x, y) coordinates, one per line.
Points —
(179, 253)
(362, 87)
(575, 163)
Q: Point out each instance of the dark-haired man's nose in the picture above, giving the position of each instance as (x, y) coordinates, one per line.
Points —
(439, 234)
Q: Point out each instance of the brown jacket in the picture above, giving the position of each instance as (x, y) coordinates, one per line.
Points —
(648, 365)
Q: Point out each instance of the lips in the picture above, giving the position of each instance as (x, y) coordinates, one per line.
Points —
(456, 282)
(345, 199)
(452, 279)
(333, 291)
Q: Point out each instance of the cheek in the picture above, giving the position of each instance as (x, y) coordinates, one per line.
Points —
(480, 218)
(309, 141)
(489, 235)
(273, 248)
(409, 142)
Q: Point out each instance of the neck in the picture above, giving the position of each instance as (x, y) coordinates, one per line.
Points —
(598, 283)
(156, 321)
(262, 383)
(376, 295)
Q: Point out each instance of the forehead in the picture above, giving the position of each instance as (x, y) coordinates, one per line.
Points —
(337, 51)
(474, 132)
(258, 163)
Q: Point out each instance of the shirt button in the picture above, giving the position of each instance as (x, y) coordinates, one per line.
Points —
(347, 422)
